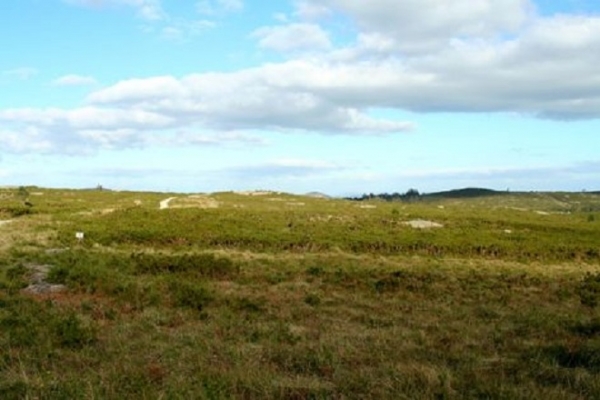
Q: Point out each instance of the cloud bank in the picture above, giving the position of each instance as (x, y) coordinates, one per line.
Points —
(420, 56)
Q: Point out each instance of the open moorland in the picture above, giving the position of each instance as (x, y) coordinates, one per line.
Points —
(264, 295)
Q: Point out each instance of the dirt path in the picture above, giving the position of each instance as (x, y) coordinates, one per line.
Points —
(165, 203)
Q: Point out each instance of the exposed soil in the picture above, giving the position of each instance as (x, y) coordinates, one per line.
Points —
(422, 224)
(165, 203)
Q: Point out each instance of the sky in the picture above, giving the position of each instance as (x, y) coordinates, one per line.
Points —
(338, 96)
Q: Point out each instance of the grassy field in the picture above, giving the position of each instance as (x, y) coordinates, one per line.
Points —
(276, 296)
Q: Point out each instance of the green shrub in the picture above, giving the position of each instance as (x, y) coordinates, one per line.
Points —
(207, 265)
(13, 390)
(139, 295)
(589, 290)
(189, 294)
(86, 278)
(23, 321)
(59, 275)
(312, 300)
(15, 278)
(22, 330)
(585, 355)
(405, 280)
(314, 270)
(70, 332)
(247, 305)
(16, 272)
(88, 271)
(16, 210)
(589, 328)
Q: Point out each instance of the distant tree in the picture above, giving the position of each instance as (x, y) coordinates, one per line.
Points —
(412, 195)
(589, 290)
(23, 193)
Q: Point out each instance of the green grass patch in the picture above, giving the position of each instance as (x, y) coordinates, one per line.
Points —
(264, 298)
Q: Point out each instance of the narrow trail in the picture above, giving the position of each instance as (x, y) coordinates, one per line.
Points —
(165, 203)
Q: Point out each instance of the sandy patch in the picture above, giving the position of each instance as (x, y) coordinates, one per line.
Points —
(5, 222)
(192, 201)
(254, 193)
(165, 203)
(367, 206)
(318, 195)
(200, 202)
(422, 224)
(296, 204)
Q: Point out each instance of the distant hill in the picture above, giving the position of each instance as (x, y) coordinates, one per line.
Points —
(413, 195)
(465, 193)
(318, 195)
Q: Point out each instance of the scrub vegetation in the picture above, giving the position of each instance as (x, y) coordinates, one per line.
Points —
(276, 296)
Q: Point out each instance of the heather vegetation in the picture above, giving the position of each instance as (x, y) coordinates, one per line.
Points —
(270, 295)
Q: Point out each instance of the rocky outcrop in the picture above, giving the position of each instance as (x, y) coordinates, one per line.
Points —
(37, 281)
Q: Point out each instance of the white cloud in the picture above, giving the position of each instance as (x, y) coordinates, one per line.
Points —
(159, 21)
(214, 7)
(211, 108)
(24, 140)
(304, 163)
(185, 138)
(140, 90)
(181, 29)
(431, 56)
(86, 118)
(486, 55)
(273, 97)
(231, 5)
(291, 37)
(150, 9)
(76, 131)
(311, 10)
(74, 80)
(147, 9)
(419, 26)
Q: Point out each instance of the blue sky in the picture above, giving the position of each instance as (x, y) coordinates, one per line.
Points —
(337, 96)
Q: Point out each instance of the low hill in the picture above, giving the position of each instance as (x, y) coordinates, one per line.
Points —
(465, 193)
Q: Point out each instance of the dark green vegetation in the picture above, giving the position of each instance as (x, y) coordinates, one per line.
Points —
(279, 296)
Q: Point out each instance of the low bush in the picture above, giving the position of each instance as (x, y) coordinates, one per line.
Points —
(589, 290)
(202, 264)
(193, 295)
(69, 331)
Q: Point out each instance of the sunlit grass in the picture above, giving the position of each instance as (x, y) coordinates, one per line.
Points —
(282, 296)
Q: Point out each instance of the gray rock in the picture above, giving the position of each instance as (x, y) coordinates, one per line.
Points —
(44, 288)
(37, 281)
